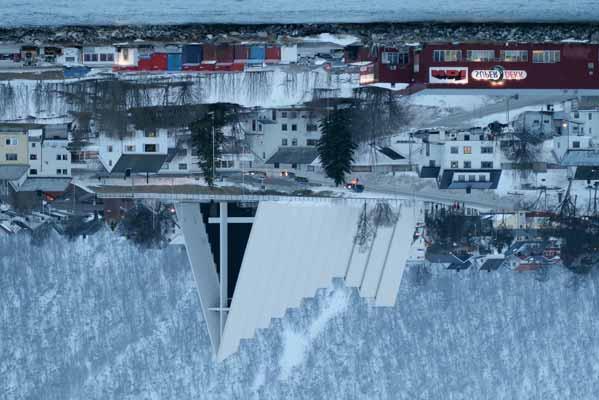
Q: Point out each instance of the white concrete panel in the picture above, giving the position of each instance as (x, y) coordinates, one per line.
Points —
(376, 263)
(202, 265)
(398, 255)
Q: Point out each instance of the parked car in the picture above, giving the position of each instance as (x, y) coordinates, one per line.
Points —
(301, 179)
(256, 173)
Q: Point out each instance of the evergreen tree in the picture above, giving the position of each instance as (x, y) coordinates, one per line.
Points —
(203, 142)
(336, 146)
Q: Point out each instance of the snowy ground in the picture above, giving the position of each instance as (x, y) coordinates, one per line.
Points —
(61, 12)
(101, 319)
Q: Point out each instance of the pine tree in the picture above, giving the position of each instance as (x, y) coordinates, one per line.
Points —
(202, 137)
(336, 146)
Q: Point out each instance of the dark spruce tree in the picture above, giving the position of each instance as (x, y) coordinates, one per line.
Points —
(336, 146)
(203, 142)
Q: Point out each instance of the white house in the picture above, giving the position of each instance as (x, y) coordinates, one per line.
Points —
(98, 56)
(292, 132)
(138, 151)
(69, 56)
(48, 153)
(546, 124)
(462, 160)
(587, 114)
(128, 54)
(289, 54)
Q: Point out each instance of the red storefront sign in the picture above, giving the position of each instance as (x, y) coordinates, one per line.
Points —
(448, 75)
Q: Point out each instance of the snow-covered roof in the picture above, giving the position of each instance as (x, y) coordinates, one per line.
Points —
(588, 158)
(296, 248)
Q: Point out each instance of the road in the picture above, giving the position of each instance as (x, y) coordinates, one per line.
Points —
(461, 119)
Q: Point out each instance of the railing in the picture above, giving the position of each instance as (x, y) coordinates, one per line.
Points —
(245, 197)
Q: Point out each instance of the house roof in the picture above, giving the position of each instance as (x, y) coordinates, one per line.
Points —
(492, 264)
(446, 181)
(585, 173)
(293, 155)
(392, 154)
(44, 185)
(458, 266)
(139, 163)
(12, 172)
(587, 158)
(429, 172)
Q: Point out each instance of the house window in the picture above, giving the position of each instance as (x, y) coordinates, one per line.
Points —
(259, 127)
(33, 171)
(447, 55)
(11, 157)
(454, 150)
(311, 127)
(576, 114)
(590, 116)
(576, 144)
(284, 142)
(58, 157)
(110, 148)
(12, 141)
(59, 172)
(182, 166)
(276, 165)
(311, 142)
(254, 125)
(545, 56)
(395, 58)
(294, 142)
(294, 127)
(284, 127)
(472, 178)
(461, 178)
(110, 163)
(467, 164)
(454, 164)
(33, 156)
(65, 157)
(486, 164)
(130, 148)
(64, 172)
(486, 149)
(33, 145)
(125, 54)
(514, 55)
(150, 148)
(274, 115)
(283, 114)
(467, 150)
(150, 133)
(466, 138)
(480, 55)
(482, 178)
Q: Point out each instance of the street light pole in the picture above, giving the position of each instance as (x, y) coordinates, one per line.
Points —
(213, 147)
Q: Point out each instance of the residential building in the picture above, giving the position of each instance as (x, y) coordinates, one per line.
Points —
(546, 124)
(98, 56)
(13, 153)
(586, 112)
(137, 151)
(462, 160)
(285, 136)
(48, 152)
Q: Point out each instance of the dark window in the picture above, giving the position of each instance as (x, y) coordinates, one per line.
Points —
(293, 127)
(87, 57)
(274, 115)
(182, 166)
(58, 157)
(447, 55)
(33, 156)
(482, 178)
(33, 171)
(462, 178)
(545, 56)
(59, 172)
(94, 57)
(284, 127)
(150, 148)
(467, 164)
(454, 150)
(311, 127)
(486, 164)
(277, 165)
(284, 142)
(472, 178)
(110, 148)
(312, 142)
(294, 142)
(294, 166)
(454, 164)
(576, 144)
(486, 149)
(11, 157)
(254, 125)
(466, 137)
(64, 171)
(284, 114)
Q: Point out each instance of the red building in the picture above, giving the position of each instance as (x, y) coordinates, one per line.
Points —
(489, 66)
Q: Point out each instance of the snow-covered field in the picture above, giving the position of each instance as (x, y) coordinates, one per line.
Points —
(100, 319)
(61, 12)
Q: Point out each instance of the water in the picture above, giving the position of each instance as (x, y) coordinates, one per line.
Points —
(123, 12)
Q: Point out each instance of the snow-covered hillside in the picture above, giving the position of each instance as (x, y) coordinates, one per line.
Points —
(101, 319)
(60, 12)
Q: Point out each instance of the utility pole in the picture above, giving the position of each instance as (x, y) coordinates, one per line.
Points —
(213, 147)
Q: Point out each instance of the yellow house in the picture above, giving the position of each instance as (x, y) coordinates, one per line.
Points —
(14, 153)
